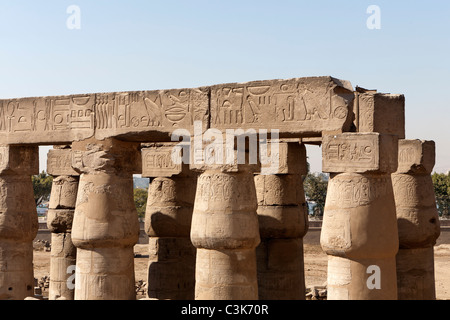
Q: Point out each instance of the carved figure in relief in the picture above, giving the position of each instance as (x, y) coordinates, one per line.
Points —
(154, 112)
(317, 105)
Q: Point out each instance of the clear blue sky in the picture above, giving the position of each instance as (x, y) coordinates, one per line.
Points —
(145, 45)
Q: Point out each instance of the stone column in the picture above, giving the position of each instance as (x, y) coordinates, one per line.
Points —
(105, 225)
(418, 220)
(171, 195)
(225, 232)
(359, 231)
(59, 221)
(283, 221)
(18, 221)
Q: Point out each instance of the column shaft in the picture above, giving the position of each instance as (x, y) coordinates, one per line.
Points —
(18, 221)
(225, 232)
(105, 225)
(171, 270)
(418, 220)
(359, 230)
(283, 221)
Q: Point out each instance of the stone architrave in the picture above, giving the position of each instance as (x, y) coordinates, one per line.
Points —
(359, 231)
(171, 196)
(300, 106)
(59, 221)
(225, 232)
(18, 221)
(306, 106)
(283, 221)
(418, 220)
(47, 120)
(105, 225)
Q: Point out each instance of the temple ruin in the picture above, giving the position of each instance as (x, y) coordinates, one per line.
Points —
(221, 227)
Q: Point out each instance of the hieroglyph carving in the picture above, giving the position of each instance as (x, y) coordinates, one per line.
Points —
(300, 105)
(60, 119)
(164, 110)
(157, 162)
(360, 152)
(59, 163)
(353, 192)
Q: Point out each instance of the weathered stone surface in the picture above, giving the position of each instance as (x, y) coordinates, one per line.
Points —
(149, 115)
(64, 192)
(281, 269)
(63, 260)
(60, 220)
(225, 232)
(18, 221)
(157, 161)
(283, 221)
(171, 195)
(106, 156)
(418, 220)
(360, 152)
(301, 106)
(169, 206)
(290, 157)
(416, 156)
(359, 230)
(19, 159)
(105, 225)
(47, 120)
(382, 113)
(59, 163)
(171, 271)
(305, 105)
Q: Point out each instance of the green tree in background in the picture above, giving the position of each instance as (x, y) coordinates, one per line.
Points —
(315, 185)
(441, 184)
(42, 187)
(140, 200)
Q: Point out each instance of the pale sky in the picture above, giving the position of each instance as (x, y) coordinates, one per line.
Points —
(147, 45)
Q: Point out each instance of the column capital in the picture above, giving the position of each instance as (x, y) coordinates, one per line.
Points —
(108, 156)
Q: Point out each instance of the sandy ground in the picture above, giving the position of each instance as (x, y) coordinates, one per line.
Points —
(315, 266)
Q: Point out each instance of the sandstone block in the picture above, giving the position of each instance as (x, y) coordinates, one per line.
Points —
(60, 221)
(22, 160)
(149, 115)
(108, 156)
(383, 113)
(359, 153)
(56, 120)
(157, 161)
(304, 105)
(64, 193)
(59, 163)
(290, 158)
(416, 156)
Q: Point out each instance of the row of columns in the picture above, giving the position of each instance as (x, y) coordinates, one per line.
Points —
(224, 232)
